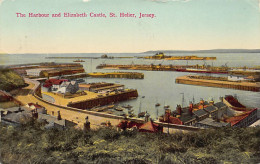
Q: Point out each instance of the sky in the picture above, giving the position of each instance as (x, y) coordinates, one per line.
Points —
(177, 25)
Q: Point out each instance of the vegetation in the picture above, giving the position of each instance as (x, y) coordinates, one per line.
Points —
(31, 143)
(10, 80)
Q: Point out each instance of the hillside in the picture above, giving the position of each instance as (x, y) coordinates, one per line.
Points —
(10, 80)
(33, 144)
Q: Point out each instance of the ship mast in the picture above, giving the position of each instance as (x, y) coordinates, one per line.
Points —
(182, 103)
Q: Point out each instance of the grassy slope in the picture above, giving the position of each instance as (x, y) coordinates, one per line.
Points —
(10, 80)
(33, 144)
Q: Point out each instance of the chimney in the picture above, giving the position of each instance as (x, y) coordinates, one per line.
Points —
(191, 105)
(59, 116)
(202, 102)
(191, 108)
(211, 102)
(179, 110)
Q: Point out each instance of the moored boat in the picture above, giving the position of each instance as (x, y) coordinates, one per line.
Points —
(78, 60)
(233, 103)
(157, 104)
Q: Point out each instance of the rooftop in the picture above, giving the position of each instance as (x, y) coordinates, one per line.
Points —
(210, 108)
(220, 104)
(213, 123)
(200, 112)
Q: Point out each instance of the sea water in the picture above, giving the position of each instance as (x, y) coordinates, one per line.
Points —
(157, 86)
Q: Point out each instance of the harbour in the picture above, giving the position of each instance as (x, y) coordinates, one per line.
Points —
(164, 89)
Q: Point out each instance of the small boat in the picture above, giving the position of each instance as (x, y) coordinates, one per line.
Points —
(130, 111)
(157, 104)
(166, 106)
(131, 115)
(109, 112)
(110, 106)
(127, 106)
(78, 60)
(100, 109)
(118, 108)
(142, 114)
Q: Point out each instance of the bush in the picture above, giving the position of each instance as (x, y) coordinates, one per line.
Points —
(31, 143)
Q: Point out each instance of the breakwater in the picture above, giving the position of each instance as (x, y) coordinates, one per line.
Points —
(104, 100)
(220, 83)
(159, 67)
(127, 75)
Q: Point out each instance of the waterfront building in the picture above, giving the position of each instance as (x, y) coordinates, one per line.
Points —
(68, 87)
(36, 72)
(200, 114)
(243, 120)
(210, 123)
(212, 110)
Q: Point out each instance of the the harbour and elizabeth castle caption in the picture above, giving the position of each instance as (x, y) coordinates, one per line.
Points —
(86, 15)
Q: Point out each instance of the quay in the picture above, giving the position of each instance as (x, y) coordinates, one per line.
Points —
(159, 67)
(218, 82)
(104, 100)
(127, 75)
(47, 70)
(78, 115)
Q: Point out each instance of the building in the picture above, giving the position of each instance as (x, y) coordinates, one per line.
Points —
(15, 115)
(243, 120)
(37, 107)
(210, 123)
(68, 87)
(222, 109)
(62, 86)
(212, 111)
(36, 72)
(54, 122)
(200, 114)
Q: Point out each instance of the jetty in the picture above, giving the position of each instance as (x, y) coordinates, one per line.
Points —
(220, 82)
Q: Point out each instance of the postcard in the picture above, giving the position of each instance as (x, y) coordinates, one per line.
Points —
(133, 81)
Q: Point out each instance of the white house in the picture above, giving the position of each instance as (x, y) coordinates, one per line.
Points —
(67, 86)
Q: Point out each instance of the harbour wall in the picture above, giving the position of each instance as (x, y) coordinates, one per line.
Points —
(246, 86)
(101, 101)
